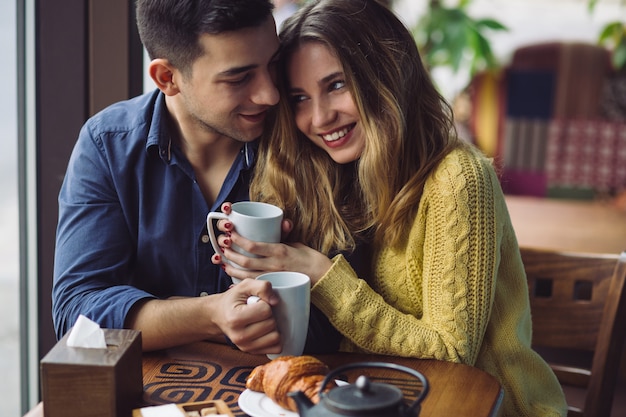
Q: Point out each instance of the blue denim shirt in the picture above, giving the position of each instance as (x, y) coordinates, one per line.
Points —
(132, 218)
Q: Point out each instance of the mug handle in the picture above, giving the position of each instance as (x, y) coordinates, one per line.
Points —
(215, 215)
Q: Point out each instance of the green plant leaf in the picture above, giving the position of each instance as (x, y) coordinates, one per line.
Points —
(611, 32)
(491, 24)
(619, 56)
(449, 36)
(483, 56)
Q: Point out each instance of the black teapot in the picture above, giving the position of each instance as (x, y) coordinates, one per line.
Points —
(363, 398)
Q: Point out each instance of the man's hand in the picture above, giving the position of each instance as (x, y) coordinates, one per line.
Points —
(251, 327)
(181, 320)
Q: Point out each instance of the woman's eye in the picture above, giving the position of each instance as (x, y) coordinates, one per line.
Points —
(297, 98)
(337, 85)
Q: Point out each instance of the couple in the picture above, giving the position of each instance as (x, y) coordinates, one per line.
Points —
(402, 228)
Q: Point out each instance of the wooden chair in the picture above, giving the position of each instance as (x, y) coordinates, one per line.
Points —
(578, 304)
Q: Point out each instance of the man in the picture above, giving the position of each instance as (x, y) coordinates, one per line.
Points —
(132, 246)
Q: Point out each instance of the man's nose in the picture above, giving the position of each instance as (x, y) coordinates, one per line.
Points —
(265, 91)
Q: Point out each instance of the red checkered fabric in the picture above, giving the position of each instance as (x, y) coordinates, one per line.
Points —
(586, 154)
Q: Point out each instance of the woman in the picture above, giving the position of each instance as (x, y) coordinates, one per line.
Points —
(364, 150)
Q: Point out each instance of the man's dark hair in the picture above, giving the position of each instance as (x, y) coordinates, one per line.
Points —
(170, 29)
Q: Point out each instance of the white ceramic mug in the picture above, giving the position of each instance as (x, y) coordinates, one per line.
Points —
(253, 220)
(292, 311)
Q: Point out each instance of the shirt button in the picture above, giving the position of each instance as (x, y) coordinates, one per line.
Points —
(205, 238)
(204, 294)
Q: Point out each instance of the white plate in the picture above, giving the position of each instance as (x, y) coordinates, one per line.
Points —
(257, 404)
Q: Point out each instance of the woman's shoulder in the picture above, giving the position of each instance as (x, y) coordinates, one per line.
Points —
(467, 153)
(464, 161)
(464, 174)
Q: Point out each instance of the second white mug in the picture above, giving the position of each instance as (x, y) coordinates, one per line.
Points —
(292, 311)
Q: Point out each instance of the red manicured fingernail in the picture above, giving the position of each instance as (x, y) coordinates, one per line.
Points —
(227, 242)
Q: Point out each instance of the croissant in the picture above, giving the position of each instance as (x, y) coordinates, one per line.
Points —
(286, 374)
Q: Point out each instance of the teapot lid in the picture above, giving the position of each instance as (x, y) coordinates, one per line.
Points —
(363, 396)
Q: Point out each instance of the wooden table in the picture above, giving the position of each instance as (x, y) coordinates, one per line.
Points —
(569, 225)
(207, 371)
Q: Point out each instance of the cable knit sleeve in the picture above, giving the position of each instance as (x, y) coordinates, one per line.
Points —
(432, 297)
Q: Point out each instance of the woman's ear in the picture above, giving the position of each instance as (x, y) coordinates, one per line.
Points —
(162, 73)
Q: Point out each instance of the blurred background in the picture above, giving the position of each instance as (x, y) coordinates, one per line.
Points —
(9, 247)
(470, 67)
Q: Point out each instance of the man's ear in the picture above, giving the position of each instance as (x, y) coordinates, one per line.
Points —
(162, 73)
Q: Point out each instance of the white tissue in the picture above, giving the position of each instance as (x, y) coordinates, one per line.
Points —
(86, 334)
(168, 410)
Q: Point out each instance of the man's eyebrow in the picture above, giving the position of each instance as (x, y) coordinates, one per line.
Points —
(237, 70)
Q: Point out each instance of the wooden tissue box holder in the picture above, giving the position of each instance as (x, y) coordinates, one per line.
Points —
(82, 382)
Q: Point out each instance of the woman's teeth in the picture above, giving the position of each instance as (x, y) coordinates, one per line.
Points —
(336, 135)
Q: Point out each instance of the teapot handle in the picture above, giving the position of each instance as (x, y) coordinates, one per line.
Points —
(386, 365)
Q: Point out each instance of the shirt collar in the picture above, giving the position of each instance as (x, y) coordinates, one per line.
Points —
(159, 136)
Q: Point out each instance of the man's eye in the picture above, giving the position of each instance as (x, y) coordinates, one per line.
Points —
(239, 81)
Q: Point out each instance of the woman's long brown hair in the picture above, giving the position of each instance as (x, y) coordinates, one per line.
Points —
(408, 128)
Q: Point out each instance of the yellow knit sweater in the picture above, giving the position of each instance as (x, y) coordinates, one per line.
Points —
(456, 291)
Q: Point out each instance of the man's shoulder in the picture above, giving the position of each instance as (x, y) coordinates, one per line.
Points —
(127, 115)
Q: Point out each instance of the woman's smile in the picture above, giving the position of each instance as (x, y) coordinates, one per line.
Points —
(339, 136)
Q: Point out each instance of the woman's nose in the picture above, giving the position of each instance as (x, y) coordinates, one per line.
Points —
(323, 114)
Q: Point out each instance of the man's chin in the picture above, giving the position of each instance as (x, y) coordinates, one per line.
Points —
(251, 134)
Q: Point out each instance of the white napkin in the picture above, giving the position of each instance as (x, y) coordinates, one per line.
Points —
(86, 334)
(167, 410)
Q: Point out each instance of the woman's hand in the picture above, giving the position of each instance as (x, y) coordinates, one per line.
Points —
(295, 257)
(275, 256)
